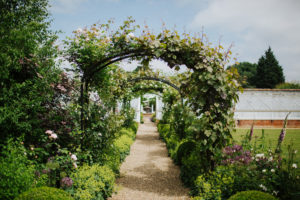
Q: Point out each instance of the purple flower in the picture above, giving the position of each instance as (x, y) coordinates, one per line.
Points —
(37, 173)
(251, 131)
(45, 171)
(66, 182)
(282, 135)
(50, 159)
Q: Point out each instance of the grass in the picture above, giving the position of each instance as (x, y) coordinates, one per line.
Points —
(292, 137)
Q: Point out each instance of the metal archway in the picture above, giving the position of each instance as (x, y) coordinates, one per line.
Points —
(149, 78)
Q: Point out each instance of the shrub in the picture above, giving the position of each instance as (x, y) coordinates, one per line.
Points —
(122, 145)
(153, 117)
(291, 85)
(252, 195)
(117, 152)
(163, 130)
(218, 184)
(191, 168)
(141, 118)
(92, 182)
(134, 126)
(44, 193)
(184, 150)
(16, 173)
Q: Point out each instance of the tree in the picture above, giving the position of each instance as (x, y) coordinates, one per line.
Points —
(269, 73)
(27, 68)
(247, 72)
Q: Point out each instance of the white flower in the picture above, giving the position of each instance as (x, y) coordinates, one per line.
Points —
(100, 134)
(264, 170)
(263, 187)
(273, 170)
(270, 159)
(131, 35)
(79, 30)
(49, 132)
(275, 192)
(294, 165)
(74, 157)
(53, 136)
(260, 155)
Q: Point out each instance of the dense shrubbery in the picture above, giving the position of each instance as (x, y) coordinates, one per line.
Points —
(16, 171)
(95, 181)
(44, 193)
(92, 182)
(252, 195)
(292, 85)
(237, 168)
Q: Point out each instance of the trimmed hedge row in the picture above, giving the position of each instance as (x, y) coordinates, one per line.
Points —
(44, 193)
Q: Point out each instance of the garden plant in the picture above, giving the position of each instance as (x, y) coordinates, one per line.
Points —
(65, 132)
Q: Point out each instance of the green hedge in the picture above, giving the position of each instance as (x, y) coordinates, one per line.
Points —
(44, 193)
(93, 182)
(96, 182)
(252, 195)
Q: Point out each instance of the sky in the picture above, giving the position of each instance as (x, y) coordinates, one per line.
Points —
(249, 26)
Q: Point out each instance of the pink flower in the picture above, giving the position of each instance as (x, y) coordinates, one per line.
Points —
(61, 88)
(49, 132)
(66, 182)
(53, 136)
(74, 157)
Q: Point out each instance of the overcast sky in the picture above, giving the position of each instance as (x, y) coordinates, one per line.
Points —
(250, 25)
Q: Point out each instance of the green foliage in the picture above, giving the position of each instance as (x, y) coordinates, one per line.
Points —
(216, 185)
(123, 143)
(210, 91)
(92, 182)
(184, 150)
(16, 171)
(134, 126)
(44, 193)
(27, 69)
(117, 152)
(269, 72)
(247, 72)
(287, 85)
(252, 195)
(153, 117)
(141, 118)
(192, 166)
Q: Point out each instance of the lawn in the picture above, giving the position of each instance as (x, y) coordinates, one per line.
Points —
(271, 137)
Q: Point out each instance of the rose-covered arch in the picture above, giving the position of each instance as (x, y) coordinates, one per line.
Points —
(208, 88)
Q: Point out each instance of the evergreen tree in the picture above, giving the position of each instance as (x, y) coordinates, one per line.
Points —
(247, 72)
(269, 73)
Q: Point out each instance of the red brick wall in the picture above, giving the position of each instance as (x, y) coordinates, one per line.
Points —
(268, 123)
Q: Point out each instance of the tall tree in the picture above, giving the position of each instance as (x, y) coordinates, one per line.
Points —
(269, 73)
(247, 72)
(27, 67)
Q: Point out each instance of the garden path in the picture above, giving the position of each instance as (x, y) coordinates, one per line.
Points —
(148, 173)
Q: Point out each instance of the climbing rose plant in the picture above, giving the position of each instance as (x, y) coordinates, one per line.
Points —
(210, 91)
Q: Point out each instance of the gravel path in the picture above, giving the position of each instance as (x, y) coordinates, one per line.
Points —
(148, 173)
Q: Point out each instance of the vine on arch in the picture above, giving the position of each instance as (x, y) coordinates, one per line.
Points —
(208, 88)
